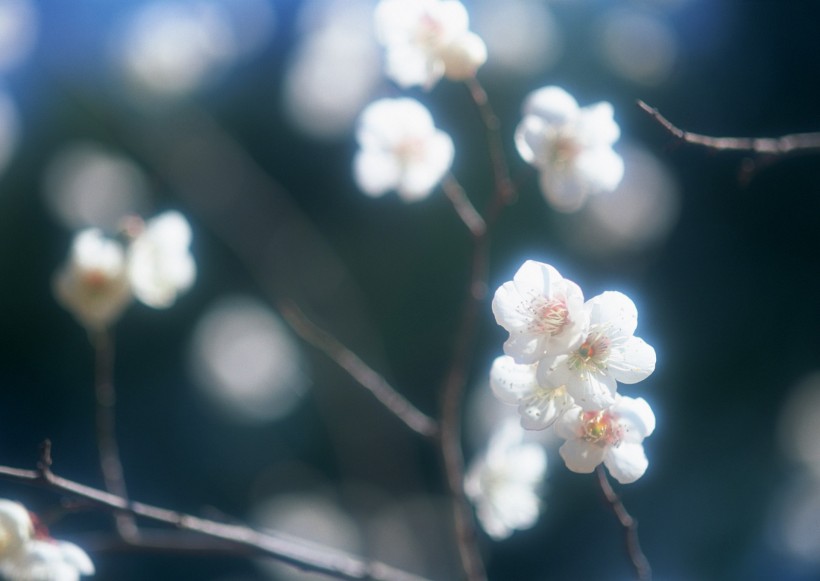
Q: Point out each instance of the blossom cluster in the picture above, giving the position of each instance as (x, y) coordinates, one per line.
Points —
(28, 553)
(102, 276)
(562, 363)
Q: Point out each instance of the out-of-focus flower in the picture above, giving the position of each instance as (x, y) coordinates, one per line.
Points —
(93, 284)
(47, 560)
(160, 265)
(516, 384)
(400, 149)
(28, 553)
(543, 312)
(613, 436)
(427, 39)
(15, 528)
(609, 353)
(503, 483)
(570, 146)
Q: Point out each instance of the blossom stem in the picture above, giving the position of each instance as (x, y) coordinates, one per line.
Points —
(643, 570)
(463, 207)
(109, 452)
(387, 395)
(237, 539)
(504, 187)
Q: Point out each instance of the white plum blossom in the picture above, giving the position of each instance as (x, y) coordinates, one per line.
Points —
(608, 353)
(571, 147)
(516, 384)
(503, 483)
(400, 149)
(160, 265)
(28, 553)
(613, 435)
(93, 284)
(542, 311)
(427, 39)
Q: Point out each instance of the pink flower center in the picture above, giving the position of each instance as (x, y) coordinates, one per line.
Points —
(601, 427)
(548, 316)
(593, 353)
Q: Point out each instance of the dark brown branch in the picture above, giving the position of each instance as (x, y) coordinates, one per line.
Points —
(245, 541)
(643, 570)
(793, 143)
(388, 396)
(109, 452)
(463, 207)
(504, 189)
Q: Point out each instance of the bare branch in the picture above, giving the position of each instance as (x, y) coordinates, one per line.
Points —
(504, 188)
(396, 403)
(109, 451)
(464, 208)
(240, 540)
(787, 144)
(633, 546)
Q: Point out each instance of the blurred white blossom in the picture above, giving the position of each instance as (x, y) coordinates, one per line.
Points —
(609, 353)
(160, 265)
(93, 284)
(400, 149)
(543, 312)
(28, 553)
(503, 483)
(570, 146)
(539, 405)
(613, 436)
(427, 39)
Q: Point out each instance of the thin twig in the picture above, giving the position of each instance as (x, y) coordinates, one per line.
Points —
(387, 395)
(464, 208)
(246, 541)
(109, 452)
(504, 188)
(793, 143)
(633, 546)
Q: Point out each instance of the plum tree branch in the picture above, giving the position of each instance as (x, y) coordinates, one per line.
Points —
(238, 539)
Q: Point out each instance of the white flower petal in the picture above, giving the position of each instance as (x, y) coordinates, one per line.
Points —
(592, 391)
(626, 462)
(511, 381)
(565, 189)
(596, 125)
(375, 172)
(633, 362)
(542, 409)
(600, 170)
(553, 104)
(616, 311)
(636, 415)
(581, 456)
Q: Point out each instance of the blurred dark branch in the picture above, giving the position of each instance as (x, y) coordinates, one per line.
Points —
(794, 143)
(109, 451)
(464, 208)
(452, 391)
(643, 570)
(504, 189)
(396, 403)
(238, 539)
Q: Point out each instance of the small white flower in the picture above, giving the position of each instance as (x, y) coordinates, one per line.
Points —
(570, 146)
(93, 284)
(160, 265)
(427, 39)
(613, 436)
(543, 312)
(608, 353)
(400, 149)
(47, 560)
(516, 384)
(27, 554)
(503, 483)
(15, 528)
